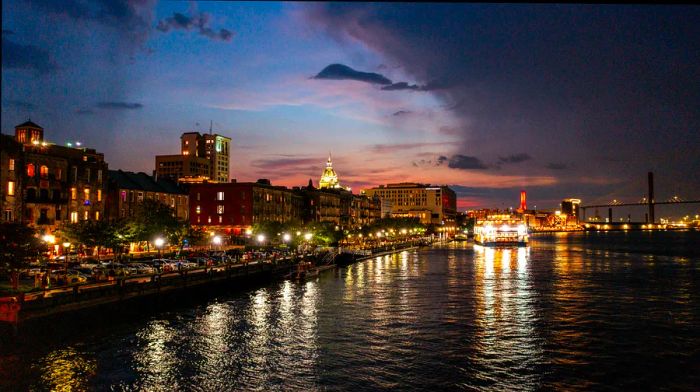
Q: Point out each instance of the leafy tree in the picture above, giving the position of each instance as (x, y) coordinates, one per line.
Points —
(183, 231)
(97, 234)
(19, 244)
(151, 219)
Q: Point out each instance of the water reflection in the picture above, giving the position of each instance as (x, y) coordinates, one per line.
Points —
(155, 361)
(67, 370)
(505, 317)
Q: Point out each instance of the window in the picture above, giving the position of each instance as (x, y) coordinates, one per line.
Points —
(75, 173)
(172, 202)
(97, 215)
(58, 173)
(140, 197)
(44, 171)
(221, 219)
(87, 173)
(99, 195)
(99, 175)
(10, 188)
(219, 210)
(86, 215)
(73, 193)
(209, 219)
(219, 196)
(197, 196)
(30, 170)
(12, 167)
(8, 216)
(74, 217)
(86, 192)
(198, 209)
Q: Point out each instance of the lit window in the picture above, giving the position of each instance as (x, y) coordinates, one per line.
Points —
(86, 215)
(58, 173)
(11, 188)
(99, 195)
(12, 164)
(73, 217)
(123, 196)
(86, 191)
(73, 193)
(197, 196)
(219, 195)
(219, 210)
(97, 215)
(221, 219)
(199, 209)
(140, 196)
(209, 219)
(30, 170)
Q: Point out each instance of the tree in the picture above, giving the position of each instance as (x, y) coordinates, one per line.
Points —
(151, 219)
(19, 244)
(183, 233)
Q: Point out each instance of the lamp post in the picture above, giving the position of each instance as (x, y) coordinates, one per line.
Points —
(159, 242)
(216, 241)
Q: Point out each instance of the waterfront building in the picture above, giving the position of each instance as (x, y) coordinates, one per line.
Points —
(126, 190)
(46, 184)
(430, 204)
(203, 157)
(11, 164)
(571, 208)
(235, 207)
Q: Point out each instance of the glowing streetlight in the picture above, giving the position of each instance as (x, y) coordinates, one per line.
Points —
(286, 237)
(216, 240)
(261, 238)
(49, 239)
(308, 236)
(66, 244)
(159, 242)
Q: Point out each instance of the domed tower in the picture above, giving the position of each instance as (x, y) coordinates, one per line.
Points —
(329, 179)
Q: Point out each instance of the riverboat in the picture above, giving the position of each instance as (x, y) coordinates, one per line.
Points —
(501, 230)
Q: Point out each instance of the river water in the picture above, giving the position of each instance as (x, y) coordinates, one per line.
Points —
(576, 311)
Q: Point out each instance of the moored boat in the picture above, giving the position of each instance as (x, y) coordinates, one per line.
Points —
(501, 230)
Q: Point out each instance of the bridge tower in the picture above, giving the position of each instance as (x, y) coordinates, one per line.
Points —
(650, 198)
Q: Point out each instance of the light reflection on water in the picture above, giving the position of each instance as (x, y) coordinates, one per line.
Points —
(556, 315)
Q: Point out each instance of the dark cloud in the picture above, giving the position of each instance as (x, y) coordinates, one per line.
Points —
(390, 148)
(130, 18)
(441, 159)
(27, 57)
(557, 166)
(198, 22)
(119, 105)
(22, 105)
(84, 112)
(402, 113)
(343, 72)
(515, 158)
(573, 80)
(464, 162)
(401, 86)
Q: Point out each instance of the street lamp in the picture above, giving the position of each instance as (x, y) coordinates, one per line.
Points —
(308, 236)
(286, 237)
(159, 242)
(261, 238)
(216, 240)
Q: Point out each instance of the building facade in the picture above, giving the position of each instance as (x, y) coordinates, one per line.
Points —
(430, 204)
(45, 185)
(127, 190)
(235, 207)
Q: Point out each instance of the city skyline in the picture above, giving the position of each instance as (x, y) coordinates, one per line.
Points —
(564, 101)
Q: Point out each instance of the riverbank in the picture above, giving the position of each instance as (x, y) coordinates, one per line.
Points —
(19, 309)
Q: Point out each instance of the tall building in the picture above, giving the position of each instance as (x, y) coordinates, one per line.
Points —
(202, 157)
(570, 207)
(45, 184)
(430, 204)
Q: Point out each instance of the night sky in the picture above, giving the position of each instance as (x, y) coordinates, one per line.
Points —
(563, 101)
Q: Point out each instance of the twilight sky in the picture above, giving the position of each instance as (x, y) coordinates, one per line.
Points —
(563, 101)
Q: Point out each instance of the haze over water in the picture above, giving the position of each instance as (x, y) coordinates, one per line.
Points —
(608, 311)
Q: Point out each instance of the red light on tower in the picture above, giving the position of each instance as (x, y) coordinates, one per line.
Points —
(523, 199)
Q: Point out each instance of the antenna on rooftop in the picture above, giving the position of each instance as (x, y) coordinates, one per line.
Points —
(211, 124)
